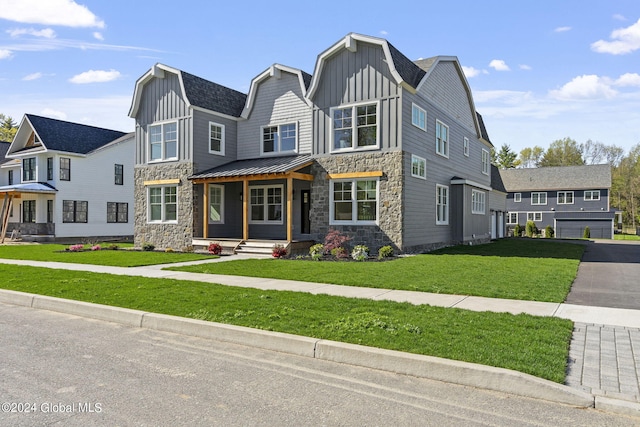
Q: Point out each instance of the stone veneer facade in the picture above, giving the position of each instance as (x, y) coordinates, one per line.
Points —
(389, 230)
(177, 236)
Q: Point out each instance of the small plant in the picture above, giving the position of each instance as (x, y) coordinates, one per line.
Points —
(385, 252)
(587, 233)
(335, 239)
(548, 232)
(517, 230)
(188, 249)
(96, 248)
(113, 247)
(215, 248)
(148, 247)
(531, 229)
(360, 253)
(316, 251)
(339, 252)
(76, 248)
(278, 251)
(168, 250)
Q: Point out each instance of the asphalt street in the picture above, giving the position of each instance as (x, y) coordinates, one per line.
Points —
(57, 369)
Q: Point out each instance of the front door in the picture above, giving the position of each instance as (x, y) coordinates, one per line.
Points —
(306, 208)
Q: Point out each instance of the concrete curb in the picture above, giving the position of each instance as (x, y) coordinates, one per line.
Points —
(623, 407)
(451, 371)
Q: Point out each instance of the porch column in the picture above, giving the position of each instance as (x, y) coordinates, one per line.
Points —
(245, 209)
(4, 217)
(289, 209)
(205, 210)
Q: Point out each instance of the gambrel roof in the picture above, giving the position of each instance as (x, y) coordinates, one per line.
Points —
(589, 177)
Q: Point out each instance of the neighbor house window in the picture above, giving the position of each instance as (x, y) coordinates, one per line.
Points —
(538, 198)
(465, 146)
(49, 211)
(517, 197)
(280, 139)
(486, 161)
(118, 174)
(216, 203)
(65, 169)
(74, 211)
(442, 139)
(117, 212)
(419, 117)
(354, 201)
(477, 202)
(49, 168)
(534, 216)
(163, 204)
(29, 211)
(442, 205)
(266, 204)
(163, 141)
(216, 138)
(418, 167)
(355, 127)
(512, 218)
(29, 169)
(591, 195)
(565, 197)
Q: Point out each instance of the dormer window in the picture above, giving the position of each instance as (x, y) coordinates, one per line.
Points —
(279, 139)
(355, 127)
(163, 142)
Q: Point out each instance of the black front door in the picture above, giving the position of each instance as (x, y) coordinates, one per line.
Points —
(306, 207)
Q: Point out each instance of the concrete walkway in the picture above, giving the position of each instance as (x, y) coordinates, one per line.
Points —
(605, 349)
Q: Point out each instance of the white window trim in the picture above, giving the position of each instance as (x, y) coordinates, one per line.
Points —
(423, 161)
(517, 197)
(354, 129)
(534, 215)
(478, 202)
(486, 162)
(222, 139)
(565, 197)
(443, 153)
(163, 204)
(422, 111)
(354, 203)
(221, 187)
(446, 211)
(265, 205)
(35, 170)
(276, 149)
(593, 192)
(465, 146)
(509, 217)
(539, 204)
(163, 143)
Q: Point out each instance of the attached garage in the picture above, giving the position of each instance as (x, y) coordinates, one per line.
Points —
(571, 225)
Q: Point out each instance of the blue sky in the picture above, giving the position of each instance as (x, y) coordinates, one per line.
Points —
(539, 71)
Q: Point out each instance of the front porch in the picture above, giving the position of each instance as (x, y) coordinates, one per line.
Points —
(34, 222)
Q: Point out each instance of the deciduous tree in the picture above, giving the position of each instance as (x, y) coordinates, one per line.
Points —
(562, 152)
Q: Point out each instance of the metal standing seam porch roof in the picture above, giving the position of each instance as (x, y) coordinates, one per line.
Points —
(262, 166)
(31, 187)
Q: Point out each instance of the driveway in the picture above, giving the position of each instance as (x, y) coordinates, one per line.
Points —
(608, 276)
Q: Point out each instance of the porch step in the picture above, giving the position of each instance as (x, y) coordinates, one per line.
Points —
(228, 245)
(263, 247)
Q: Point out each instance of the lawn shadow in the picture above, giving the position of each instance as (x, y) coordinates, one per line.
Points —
(522, 248)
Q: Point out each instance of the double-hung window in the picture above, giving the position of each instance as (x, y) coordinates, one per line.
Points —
(216, 203)
(29, 211)
(216, 138)
(418, 167)
(163, 204)
(539, 198)
(534, 216)
(355, 127)
(118, 171)
(29, 169)
(418, 117)
(10, 177)
(163, 141)
(512, 218)
(442, 204)
(478, 202)
(117, 212)
(266, 204)
(49, 168)
(565, 197)
(354, 201)
(591, 195)
(75, 211)
(517, 197)
(442, 139)
(486, 161)
(280, 138)
(65, 169)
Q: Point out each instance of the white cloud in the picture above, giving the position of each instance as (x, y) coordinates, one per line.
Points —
(499, 65)
(619, 17)
(98, 36)
(65, 13)
(46, 33)
(585, 87)
(33, 76)
(525, 67)
(470, 72)
(628, 79)
(624, 40)
(95, 76)
(562, 29)
(55, 114)
(384, 32)
(5, 53)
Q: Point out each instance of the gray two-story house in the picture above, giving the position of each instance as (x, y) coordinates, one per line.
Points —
(568, 198)
(385, 149)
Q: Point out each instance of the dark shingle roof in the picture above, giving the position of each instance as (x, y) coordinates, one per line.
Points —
(71, 137)
(256, 166)
(212, 96)
(557, 178)
(496, 180)
(306, 77)
(483, 129)
(408, 70)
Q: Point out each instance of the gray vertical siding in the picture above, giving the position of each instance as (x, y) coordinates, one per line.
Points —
(202, 159)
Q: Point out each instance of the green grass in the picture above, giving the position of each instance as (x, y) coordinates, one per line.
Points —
(626, 237)
(535, 345)
(120, 257)
(522, 269)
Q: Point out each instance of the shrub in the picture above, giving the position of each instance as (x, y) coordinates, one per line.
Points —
(531, 229)
(215, 248)
(316, 251)
(360, 253)
(339, 252)
(335, 239)
(548, 232)
(96, 248)
(517, 230)
(168, 250)
(385, 252)
(278, 251)
(113, 247)
(148, 247)
(76, 248)
(587, 233)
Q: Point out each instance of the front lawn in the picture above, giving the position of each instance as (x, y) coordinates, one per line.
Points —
(535, 345)
(120, 258)
(523, 269)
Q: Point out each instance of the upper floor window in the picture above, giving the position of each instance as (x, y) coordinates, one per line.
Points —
(163, 141)
(539, 198)
(216, 138)
(118, 174)
(354, 201)
(29, 169)
(517, 197)
(477, 202)
(465, 146)
(442, 204)
(565, 197)
(163, 204)
(591, 195)
(355, 127)
(419, 117)
(65, 169)
(280, 138)
(442, 139)
(10, 177)
(418, 167)
(49, 168)
(486, 161)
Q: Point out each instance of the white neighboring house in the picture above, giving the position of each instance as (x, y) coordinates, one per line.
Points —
(65, 180)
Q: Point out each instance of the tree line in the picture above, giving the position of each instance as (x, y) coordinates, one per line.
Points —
(625, 168)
